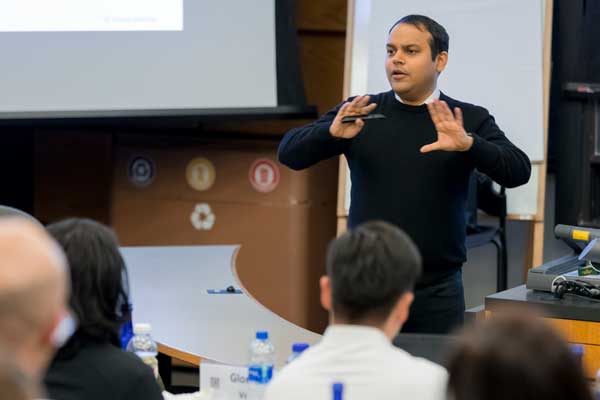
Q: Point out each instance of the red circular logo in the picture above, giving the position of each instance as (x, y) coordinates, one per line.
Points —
(264, 175)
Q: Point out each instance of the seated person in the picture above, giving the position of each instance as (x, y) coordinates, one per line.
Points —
(92, 365)
(371, 272)
(514, 356)
(34, 318)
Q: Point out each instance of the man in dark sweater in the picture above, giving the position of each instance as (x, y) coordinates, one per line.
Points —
(412, 168)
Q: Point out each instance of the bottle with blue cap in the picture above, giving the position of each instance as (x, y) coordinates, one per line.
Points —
(127, 327)
(577, 351)
(144, 346)
(297, 349)
(597, 386)
(338, 391)
(262, 362)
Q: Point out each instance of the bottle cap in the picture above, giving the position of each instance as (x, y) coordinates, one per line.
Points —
(299, 347)
(262, 335)
(142, 329)
(338, 390)
(576, 349)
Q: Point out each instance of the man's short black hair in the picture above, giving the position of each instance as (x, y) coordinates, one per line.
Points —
(99, 285)
(370, 268)
(439, 42)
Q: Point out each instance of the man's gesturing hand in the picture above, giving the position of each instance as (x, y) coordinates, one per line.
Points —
(359, 106)
(450, 129)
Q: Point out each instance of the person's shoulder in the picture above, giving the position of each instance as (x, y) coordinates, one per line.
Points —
(285, 380)
(294, 373)
(420, 378)
(377, 97)
(418, 365)
(464, 106)
(108, 357)
(102, 368)
(474, 115)
(129, 376)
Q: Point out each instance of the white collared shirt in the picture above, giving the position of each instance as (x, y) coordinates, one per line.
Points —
(434, 96)
(366, 362)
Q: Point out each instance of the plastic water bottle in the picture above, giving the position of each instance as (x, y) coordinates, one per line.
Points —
(144, 346)
(262, 361)
(577, 351)
(297, 349)
(338, 391)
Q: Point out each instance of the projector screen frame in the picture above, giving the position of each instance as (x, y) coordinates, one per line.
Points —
(144, 118)
(291, 99)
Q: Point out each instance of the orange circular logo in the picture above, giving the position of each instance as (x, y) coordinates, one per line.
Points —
(200, 174)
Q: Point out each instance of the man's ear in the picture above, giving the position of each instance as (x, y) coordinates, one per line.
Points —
(325, 285)
(441, 61)
(402, 309)
(46, 337)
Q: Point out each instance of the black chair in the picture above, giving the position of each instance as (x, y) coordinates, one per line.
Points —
(432, 347)
(483, 196)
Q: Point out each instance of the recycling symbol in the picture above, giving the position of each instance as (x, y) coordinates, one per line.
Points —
(202, 217)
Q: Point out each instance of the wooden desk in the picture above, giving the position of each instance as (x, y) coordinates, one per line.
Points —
(577, 318)
(169, 289)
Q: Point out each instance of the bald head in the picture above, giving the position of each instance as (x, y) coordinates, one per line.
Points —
(33, 287)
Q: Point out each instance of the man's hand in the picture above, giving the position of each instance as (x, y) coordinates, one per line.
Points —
(450, 129)
(358, 106)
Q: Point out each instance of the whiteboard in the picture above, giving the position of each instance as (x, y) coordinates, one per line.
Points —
(495, 61)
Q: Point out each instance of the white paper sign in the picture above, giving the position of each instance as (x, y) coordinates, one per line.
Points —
(228, 382)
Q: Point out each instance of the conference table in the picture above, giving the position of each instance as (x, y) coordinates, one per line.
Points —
(182, 291)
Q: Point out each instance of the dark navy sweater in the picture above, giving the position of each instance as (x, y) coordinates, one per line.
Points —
(424, 194)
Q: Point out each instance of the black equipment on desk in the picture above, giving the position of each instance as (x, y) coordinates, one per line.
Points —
(560, 287)
(562, 276)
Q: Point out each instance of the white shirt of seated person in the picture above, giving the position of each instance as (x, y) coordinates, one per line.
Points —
(366, 362)
(363, 359)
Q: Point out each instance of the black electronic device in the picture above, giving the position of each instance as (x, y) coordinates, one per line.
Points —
(351, 118)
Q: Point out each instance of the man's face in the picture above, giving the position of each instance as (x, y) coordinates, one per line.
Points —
(410, 70)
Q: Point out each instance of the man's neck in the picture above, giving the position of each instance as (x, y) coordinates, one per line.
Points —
(387, 328)
(432, 95)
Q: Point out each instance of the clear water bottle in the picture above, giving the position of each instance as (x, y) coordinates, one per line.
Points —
(262, 361)
(577, 351)
(338, 391)
(144, 346)
(297, 349)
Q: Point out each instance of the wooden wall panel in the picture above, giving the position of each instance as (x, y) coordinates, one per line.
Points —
(321, 15)
(322, 59)
(73, 172)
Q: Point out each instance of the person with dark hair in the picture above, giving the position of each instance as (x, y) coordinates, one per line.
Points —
(92, 365)
(514, 356)
(412, 168)
(371, 271)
